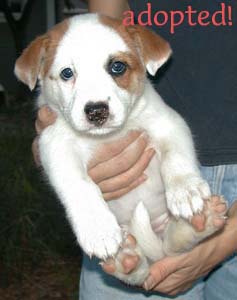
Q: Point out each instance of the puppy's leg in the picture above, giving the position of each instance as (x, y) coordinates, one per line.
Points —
(184, 186)
(180, 235)
(94, 225)
(147, 249)
(137, 274)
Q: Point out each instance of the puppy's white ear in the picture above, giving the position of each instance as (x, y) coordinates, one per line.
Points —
(28, 65)
(154, 49)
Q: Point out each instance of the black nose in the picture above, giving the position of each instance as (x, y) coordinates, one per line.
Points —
(97, 113)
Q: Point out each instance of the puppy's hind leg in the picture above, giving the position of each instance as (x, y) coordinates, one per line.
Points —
(180, 236)
(141, 229)
(147, 249)
(138, 269)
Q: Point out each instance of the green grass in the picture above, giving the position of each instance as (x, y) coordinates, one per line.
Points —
(32, 222)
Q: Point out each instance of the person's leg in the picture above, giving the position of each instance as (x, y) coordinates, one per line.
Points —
(97, 285)
(221, 283)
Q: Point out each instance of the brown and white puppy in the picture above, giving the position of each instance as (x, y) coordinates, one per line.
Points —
(92, 72)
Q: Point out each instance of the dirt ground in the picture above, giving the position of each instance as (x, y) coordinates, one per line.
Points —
(39, 258)
(51, 280)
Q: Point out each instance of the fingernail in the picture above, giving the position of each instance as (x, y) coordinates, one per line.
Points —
(151, 152)
(149, 283)
(143, 177)
(145, 136)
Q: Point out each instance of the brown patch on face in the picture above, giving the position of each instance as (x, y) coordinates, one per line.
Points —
(135, 74)
(147, 44)
(54, 36)
(38, 57)
(122, 31)
(153, 47)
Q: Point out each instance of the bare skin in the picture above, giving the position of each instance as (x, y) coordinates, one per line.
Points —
(114, 8)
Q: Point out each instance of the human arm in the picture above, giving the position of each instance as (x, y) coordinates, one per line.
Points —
(173, 275)
(113, 8)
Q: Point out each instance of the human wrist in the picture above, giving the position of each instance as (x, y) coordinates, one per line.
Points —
(113, 8)
(220, 246)
(232, 223)
(228, 238)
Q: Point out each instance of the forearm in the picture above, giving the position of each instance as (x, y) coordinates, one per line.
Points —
(221, 246)
(113, 8)
(173, 275)
(228, 239)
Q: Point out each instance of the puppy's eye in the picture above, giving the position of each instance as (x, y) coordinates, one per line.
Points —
(66, 74)
(117, 68)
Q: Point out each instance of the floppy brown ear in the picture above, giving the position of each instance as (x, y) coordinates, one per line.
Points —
(154, 49)
(28, 65)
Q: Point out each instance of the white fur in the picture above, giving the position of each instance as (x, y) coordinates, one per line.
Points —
(174, 183)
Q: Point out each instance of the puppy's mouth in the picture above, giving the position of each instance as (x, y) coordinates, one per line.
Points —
(109, 126)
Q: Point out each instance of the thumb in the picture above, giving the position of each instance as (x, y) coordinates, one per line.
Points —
(159, 271)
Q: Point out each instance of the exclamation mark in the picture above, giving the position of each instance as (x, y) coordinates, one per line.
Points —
(230, 15)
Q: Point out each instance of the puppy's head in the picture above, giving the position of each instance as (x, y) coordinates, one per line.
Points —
(92, 69)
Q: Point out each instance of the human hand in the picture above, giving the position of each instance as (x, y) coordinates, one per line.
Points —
(113, 8)
(117, 167)
(45, 118)
(173, 275)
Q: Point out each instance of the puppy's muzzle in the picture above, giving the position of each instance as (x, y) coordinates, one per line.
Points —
(97, 113)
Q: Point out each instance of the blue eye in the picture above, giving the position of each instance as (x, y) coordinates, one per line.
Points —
(117, 68)
(66, 74)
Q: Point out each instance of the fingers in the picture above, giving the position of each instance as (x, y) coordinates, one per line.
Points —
(167, 287)
(119, 193)
(120, 163)
(45, 117)
(35, 152)
(125, 179)
(233, 210)
(159, 271)
(110, 150)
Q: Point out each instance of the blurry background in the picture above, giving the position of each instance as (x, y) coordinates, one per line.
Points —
(39, 257)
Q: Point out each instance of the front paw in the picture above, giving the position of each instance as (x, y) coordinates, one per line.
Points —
(102, 237)
(185, 195)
